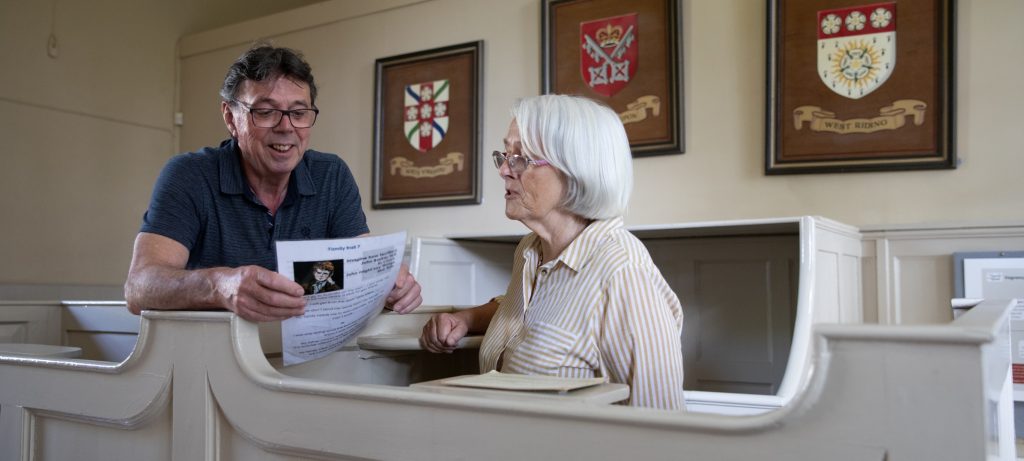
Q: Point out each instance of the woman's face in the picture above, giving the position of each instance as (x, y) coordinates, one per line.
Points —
(534, 194)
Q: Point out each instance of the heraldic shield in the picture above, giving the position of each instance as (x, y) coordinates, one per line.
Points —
(610, 50)
(426, 114)
(857, 48)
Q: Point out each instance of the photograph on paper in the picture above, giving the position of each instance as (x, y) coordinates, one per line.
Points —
(345, 283)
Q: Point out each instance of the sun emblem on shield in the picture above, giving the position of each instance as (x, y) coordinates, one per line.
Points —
(857, 48)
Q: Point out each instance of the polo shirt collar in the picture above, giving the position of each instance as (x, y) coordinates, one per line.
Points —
(232, 179)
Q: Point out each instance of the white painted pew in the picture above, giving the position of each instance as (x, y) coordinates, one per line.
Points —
(103, 330)
(198, 387)
(751, 290)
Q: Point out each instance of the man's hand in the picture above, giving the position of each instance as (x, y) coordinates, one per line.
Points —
(157, 279)
(405, 296)
(443, 332)
(259, 295)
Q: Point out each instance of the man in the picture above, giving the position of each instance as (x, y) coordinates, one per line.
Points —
(207, 239)
(321, 281)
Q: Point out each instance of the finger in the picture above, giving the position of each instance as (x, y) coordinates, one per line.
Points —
(278, 283)
(403, 275)
(423, 339)
(424, 345)
(252, 308)
(403, 283)
(406, 306)
(410, 301)
(273, 289)
(442, 328)
(282, 300)
(427, 339)
(445, 334)
(401, 289)
(457, 332)
(277, 305)
(435, 348)
(253, 316)
(245, 310)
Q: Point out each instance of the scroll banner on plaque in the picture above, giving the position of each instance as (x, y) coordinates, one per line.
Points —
(454, 161)
(636, 111)
(890, 118)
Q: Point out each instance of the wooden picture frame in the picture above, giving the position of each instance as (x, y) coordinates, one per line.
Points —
(426, 143)
(860, 86)
(627, 55)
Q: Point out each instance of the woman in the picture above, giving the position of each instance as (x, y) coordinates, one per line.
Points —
(585, 298)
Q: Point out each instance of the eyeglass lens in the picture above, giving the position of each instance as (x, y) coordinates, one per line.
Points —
(269, 118)
(516, 163)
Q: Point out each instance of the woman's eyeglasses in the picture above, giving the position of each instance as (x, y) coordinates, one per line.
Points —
(517, 163)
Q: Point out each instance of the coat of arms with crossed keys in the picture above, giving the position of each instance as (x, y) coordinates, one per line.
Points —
(611, 49)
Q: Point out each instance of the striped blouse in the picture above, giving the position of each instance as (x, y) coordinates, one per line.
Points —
(601, 308)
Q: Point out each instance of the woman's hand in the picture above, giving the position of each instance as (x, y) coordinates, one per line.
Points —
(443, 332)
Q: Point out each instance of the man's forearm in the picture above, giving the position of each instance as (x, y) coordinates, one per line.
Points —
(168, 288)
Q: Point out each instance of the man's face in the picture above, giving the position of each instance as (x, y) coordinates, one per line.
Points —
(269, 154)
(321, 274)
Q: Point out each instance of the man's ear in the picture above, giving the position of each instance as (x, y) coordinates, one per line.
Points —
(229, 118)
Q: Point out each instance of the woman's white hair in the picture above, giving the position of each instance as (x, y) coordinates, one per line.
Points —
(584, 140)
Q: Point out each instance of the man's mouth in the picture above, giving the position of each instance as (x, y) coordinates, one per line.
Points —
(281, 147)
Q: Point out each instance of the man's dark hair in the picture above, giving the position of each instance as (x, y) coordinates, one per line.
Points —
(264, 61)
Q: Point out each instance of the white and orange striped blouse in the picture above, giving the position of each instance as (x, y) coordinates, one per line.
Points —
(601, 308)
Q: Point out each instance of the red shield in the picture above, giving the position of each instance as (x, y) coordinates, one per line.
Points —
(610, 49)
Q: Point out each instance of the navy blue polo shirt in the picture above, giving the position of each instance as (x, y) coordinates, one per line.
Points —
(203, 201)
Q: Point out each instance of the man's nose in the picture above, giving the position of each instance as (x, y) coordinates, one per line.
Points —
(285, 124)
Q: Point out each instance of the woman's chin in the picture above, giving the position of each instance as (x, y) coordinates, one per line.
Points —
(513, 213)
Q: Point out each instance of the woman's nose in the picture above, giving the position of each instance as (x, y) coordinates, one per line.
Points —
(505, 169)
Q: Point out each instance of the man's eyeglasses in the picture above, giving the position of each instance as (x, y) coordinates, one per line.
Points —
(270, 118)
(517, 163)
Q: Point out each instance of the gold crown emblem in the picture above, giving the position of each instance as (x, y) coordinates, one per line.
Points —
(609, 35)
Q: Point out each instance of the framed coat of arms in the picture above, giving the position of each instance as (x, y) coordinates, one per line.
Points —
(426, 141)
(627, 55)
(857, 85)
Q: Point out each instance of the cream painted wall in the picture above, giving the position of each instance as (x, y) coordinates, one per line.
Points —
(719, 177)
(85, 132)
